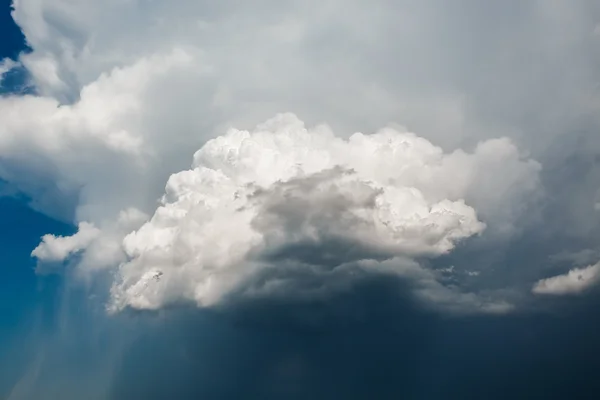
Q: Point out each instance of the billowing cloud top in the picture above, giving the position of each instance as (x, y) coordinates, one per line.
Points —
(127, 91)
(287, 194)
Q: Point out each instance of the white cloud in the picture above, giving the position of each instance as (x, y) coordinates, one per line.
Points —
(102, 151)
(335, 66)
(128, 90)
(58, 248)
(575, 281)
(182, 71)
(284, 192)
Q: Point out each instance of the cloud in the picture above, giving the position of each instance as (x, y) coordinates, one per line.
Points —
(119, 112)
(96, 248)
(232, 78)
(326, 249)
(53, 248)
(576, 280)
(283, 193)
(368, 341)
(342, 68)
(88, 152)
(5, 66)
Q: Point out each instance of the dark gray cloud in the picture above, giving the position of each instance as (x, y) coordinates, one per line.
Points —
(371, 342)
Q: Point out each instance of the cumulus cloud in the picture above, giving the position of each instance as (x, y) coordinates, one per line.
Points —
(576, 280)
(340, 67)
(289, 221)
(145, 94)
(55, 248)
(119, 112)
(284, 193)
(92, 159)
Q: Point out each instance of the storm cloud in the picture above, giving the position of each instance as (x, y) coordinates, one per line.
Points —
(299, 199)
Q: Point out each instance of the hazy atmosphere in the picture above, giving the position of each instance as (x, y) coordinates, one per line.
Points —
(299, 199)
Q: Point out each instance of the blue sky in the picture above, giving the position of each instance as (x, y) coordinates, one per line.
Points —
(13, 41)
(458, 261)
(28, 301)
(21, 227)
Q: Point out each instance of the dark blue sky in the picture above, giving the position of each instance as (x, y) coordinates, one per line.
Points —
(27, 302)
(13, 41)
(18, 287)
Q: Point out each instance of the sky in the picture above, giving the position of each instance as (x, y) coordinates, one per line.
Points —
(299, 199)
